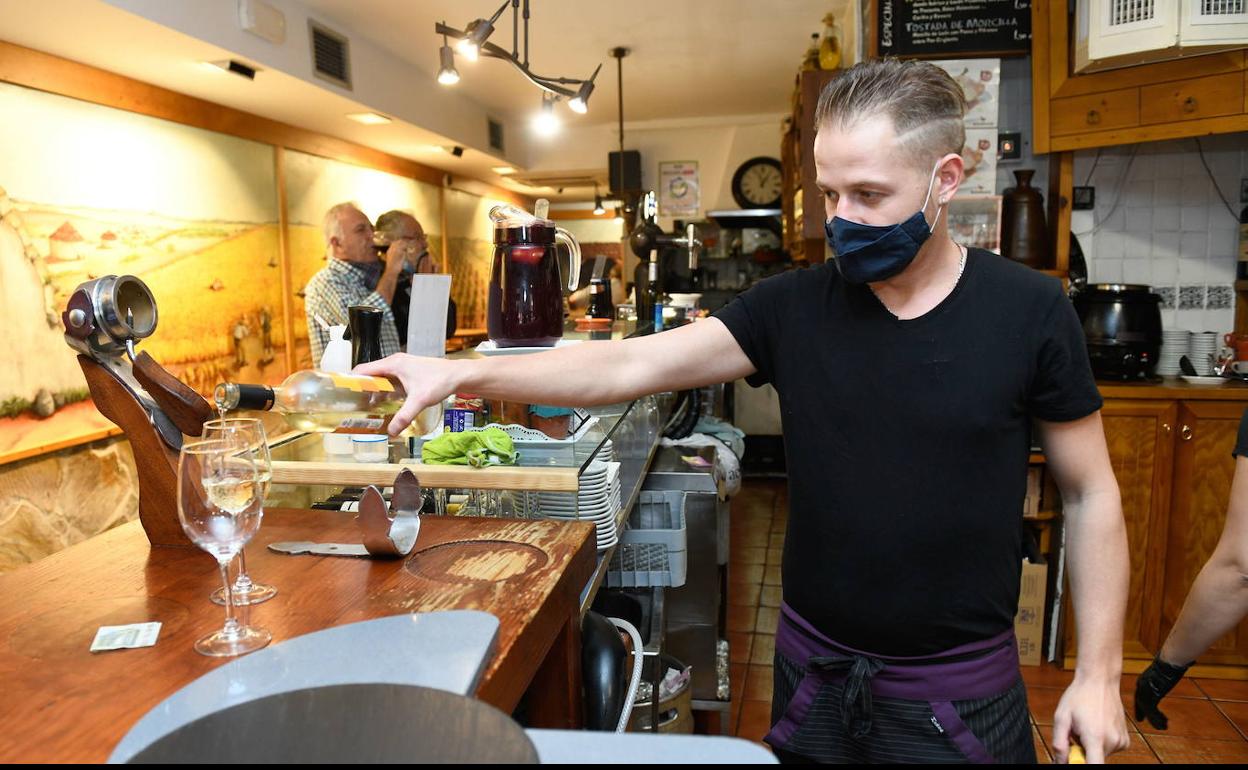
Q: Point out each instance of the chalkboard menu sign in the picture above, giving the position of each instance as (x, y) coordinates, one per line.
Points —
(948, 29)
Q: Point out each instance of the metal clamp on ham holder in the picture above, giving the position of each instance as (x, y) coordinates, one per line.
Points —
(387, 533)
(104, 320)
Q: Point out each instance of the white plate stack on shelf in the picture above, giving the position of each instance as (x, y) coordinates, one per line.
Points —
(1175, 343)
(599, 501)
(1204, 352)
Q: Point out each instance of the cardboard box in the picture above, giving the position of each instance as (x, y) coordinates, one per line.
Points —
(1031, 503)
(1029, 622)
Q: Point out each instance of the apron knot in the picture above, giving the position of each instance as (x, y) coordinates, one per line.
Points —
(856, 696)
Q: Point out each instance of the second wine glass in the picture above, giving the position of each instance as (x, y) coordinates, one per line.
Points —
(248, 436)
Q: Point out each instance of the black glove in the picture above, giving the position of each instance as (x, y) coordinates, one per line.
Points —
(1158, 679)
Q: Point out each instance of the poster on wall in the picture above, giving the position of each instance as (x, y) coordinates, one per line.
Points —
(88, 191)
(981, 85)
(979, 162)
(679, 193)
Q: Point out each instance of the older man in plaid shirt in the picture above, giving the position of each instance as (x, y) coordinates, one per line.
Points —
(353, 275)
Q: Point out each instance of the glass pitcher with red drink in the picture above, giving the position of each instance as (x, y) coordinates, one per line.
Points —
(526, 290)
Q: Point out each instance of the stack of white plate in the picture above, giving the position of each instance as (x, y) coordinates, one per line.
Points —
(1204, 351)
(599, 500)
(1175, 343)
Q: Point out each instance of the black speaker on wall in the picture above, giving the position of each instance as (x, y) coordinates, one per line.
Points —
(625, 171)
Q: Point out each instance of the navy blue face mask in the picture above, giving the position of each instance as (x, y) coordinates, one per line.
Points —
(870, 253)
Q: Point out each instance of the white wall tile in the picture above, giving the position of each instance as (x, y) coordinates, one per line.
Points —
(1106, 271)
(1195, 219)
(1166, 219)
(1137, 244)
(1220, 270)
(1192, 245)
(1137, 271)
(1142, 166)
(1116, 220)
(1167, 165)
(1109, 245)
(1167, 192)
(1192, 320)
(1223, 242)
(1139, 220)
(1139, 193)
(1166, 246)
(1192, 271)
(1220, 320)
(1195, 190)
(1192, 169)
(1165, 272)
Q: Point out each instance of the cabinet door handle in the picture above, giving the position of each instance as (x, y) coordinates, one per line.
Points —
(1094, 117)
(1186, 433)
(1165, 426)
(1189, 104)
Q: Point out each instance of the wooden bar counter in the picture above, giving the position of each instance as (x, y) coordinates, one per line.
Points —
(61, 703)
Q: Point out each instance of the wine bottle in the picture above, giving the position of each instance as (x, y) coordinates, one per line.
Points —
(328, 402)
(653, 309)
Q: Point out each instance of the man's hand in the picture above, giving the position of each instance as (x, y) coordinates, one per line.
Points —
(427, 381)
(1158, 679)
(1091, 711)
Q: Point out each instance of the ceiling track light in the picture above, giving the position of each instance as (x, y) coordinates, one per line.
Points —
(545, 123)
(447, 74)
(599, 209)
(473, 41)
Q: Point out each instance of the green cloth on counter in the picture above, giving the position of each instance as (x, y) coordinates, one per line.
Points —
(477, 448)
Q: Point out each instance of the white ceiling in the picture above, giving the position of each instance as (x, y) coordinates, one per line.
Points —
(689, 58)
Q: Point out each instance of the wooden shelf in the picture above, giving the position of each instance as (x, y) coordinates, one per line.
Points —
(543, 479)
(1042, 516)
(1055, 273)
(1241, 286)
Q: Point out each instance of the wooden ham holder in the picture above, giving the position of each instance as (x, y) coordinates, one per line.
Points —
(103, 319)
(155, 460)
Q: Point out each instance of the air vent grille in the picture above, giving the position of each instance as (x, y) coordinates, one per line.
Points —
(1131, 12)
(331, 55)
(496, 135)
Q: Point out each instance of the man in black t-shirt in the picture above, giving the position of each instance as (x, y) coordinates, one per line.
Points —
(910, 372)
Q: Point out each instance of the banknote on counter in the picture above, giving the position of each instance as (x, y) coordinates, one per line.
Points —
(129, 636)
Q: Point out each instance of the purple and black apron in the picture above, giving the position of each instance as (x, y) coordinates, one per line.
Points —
(832, 703)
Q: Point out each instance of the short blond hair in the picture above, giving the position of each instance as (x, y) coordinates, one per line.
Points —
(924, 103)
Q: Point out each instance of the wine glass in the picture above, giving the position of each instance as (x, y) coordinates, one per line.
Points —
(247, 434)
(219, 508)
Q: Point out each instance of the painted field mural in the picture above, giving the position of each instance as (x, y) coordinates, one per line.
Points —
(87, 191)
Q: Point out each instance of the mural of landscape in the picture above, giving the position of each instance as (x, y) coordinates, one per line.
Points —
(96, 191)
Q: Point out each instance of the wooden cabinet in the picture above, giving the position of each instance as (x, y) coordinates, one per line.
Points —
(1149, 102)
(1172, 459)
(803, 203)
(1203, 468)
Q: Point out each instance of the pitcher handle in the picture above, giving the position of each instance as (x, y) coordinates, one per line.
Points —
(574, 256)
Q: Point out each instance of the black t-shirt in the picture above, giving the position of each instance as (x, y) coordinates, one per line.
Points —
(907, 444)
(1241, 443)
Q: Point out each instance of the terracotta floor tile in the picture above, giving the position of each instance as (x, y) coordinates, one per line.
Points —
(771, 575)
(741, 618)
(767, 619)
(745, 555)
(739, 645)
(736, 680)
(770, 596)
(1237, 712)
(1042, 751)
(1186, 688)
(1139, 753)
(777, 541)
(1046, 676)
(751, 574)
(775, 555)
(1043, 701)
(747, 594)
(764, 651)
(1191, 718)
(752, 538)
(758, 682)
(1173, 749)
(1224, 689)
(755, 720)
